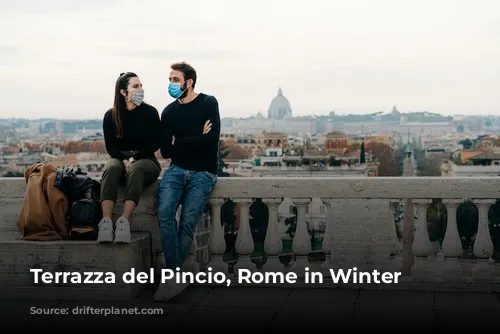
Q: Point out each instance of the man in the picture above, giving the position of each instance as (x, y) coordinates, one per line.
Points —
(191, 130)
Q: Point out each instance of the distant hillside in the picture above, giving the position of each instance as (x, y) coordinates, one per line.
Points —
(391, 117)
(394, 116)
(47, 125)
(378, 116)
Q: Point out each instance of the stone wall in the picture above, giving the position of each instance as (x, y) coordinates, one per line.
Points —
(143, 220)
(358, 218)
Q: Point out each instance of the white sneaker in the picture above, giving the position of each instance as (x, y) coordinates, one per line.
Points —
(122, 231)
(106, 233)
(166, 292)
(162, 292)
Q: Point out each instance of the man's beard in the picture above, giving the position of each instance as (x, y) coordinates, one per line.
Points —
(185, 92)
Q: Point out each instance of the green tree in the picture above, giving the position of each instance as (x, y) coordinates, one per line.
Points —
(223, 153)
(385, 155)
(428, 166)
(362, 158)
(466, 143)
(467, 222)
(334, 162)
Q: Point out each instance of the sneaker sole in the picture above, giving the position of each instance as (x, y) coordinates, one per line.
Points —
(161, 293)
(122, 238)
(174, 292)
(106, 239)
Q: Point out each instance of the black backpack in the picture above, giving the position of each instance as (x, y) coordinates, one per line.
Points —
(85, 214)
(83, 194)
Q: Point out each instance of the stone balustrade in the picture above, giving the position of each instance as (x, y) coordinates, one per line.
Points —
(361, 230)
(360, 224)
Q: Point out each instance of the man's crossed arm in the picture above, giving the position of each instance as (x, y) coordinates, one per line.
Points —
(209, 137)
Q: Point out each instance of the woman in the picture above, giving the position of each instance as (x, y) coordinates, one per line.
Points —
(131, 134)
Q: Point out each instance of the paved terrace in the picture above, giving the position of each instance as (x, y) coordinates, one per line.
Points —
(267, 309)
(360, 232)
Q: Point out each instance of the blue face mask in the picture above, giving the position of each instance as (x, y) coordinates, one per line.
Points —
(174, 89)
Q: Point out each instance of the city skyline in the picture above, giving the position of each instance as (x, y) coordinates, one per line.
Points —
(338, 114)
(60, 59)
(249, 115)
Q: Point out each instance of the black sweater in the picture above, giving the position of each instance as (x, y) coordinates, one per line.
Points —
(192, 150)
(141, 133)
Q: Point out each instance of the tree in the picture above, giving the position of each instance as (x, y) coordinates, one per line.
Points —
(460, 128)
(467, 222)
(466, 143)
(259, 214)
(334, 162)
(430, 165)
(228, 217)
(436, 220)
(236, 152)
(388, 165)
(495, 141)
(400, 158)
(457, 160)
(353, 147)
(291, 224)
(362, 158)
(223, 153)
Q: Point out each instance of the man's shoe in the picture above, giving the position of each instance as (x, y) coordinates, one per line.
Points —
(122, 231)
(174, 289)
(106, 233)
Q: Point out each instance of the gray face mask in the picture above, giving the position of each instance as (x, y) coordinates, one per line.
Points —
(137, 96)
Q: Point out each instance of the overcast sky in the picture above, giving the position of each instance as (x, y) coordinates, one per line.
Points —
(60, 58)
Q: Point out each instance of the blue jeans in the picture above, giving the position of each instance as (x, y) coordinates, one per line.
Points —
(192, 190)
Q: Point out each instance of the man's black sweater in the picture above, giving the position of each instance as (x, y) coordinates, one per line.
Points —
(192, 150)
(141, 133)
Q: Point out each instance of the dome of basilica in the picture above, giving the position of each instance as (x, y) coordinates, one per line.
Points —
(280, 107)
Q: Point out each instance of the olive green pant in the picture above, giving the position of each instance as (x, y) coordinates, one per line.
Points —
(142, 173)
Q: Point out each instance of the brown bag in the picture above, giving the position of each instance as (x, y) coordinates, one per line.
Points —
(44, 210)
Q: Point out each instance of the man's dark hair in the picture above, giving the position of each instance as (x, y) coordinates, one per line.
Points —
(187, 70)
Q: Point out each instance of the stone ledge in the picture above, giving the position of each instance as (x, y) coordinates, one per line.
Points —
(333, 187)
(405, 284)
(19, 256)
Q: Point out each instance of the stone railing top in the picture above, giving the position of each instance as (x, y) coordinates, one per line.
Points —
(325, 187)
(479, 168)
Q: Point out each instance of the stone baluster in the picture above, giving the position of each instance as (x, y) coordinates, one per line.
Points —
(327, 238)
(217, 243)
(190, 264)
(421, 243)
(273, 246)
(302, 241)
(483, 246)
(244, 241)
(452, 246)
(395, 245)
